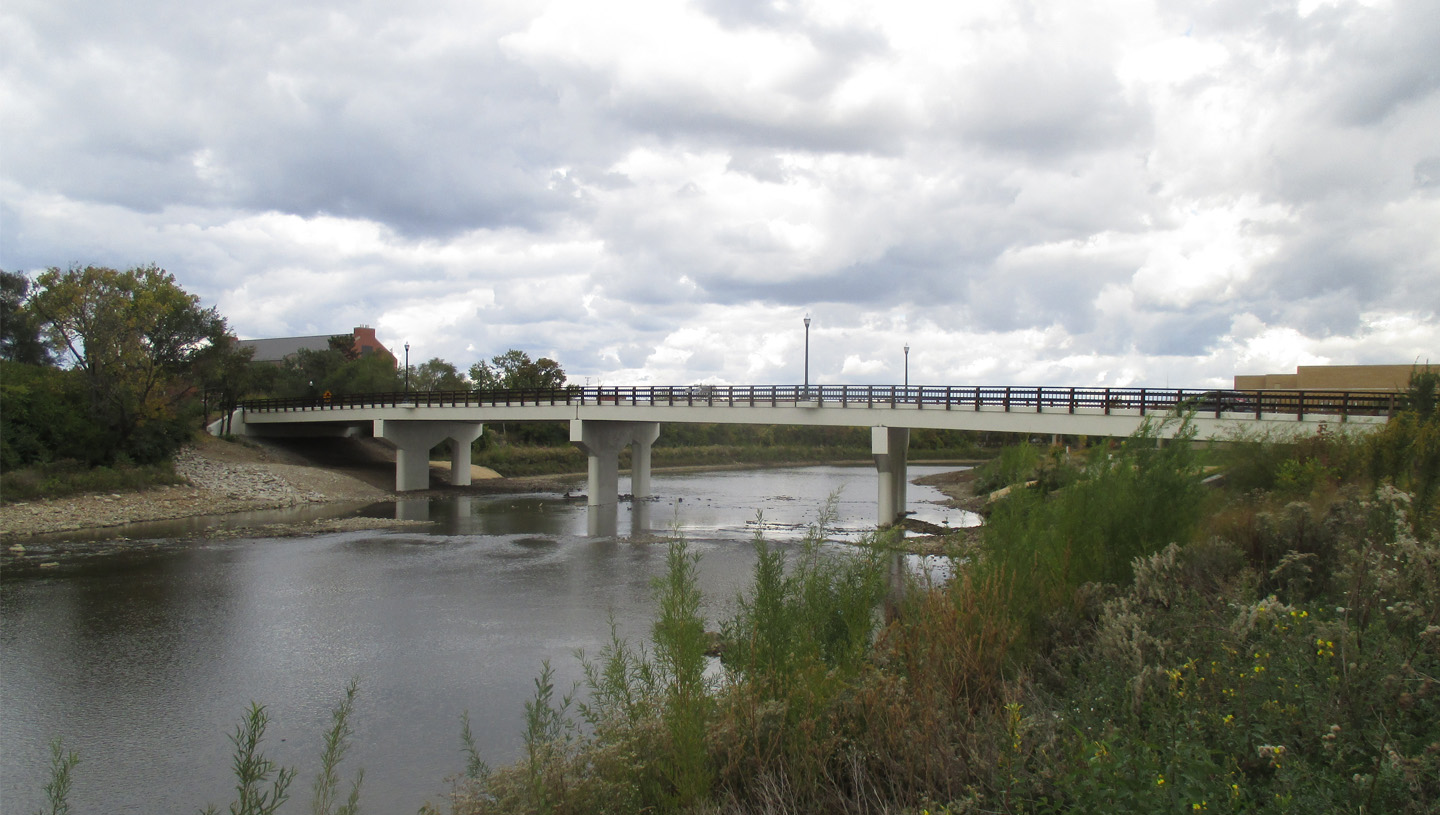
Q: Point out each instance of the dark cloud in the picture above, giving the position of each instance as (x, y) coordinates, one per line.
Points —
(1045, 104)
(1184, 334)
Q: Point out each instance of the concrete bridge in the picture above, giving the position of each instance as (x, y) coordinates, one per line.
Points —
(603, 421)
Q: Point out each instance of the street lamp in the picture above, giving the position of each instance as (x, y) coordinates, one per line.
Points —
(907, 367)
(807, 356)
(407, 367)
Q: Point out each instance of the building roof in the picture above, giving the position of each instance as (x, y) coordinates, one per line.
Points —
(279, 348)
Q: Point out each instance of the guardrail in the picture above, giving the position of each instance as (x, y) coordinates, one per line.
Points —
(1258, 404)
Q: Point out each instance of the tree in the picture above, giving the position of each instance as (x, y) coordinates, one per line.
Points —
(309, 372)
(20, 339)
(313, 373)
(344, 344)
(46, 417)
(372, 373)
(226, 372)
(134, 336)
(514, 370)
(437, 375)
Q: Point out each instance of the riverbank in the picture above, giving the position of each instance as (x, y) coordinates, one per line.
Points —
(224, 477)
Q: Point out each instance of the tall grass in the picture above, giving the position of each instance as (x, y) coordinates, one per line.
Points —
(64, 478)
(1016, 464)
(261, 785)
(1127, 641)
(57, 789)
(1128, 504)
(326, 789)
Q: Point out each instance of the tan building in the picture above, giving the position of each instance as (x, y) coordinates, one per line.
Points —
(1388, 378)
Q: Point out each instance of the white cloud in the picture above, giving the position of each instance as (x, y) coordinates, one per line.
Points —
(654, 192)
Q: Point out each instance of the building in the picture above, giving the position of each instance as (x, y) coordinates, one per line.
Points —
(278, 349)
(1384, 378)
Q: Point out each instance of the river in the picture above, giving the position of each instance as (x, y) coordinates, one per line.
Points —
(144, 657)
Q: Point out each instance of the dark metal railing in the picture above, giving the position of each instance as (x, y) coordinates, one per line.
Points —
(1146, 401)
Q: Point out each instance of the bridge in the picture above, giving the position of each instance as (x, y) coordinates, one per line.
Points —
(605, 420)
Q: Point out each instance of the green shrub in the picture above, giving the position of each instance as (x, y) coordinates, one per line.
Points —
(1016, 464)
(62, 478)
(1215, 696)
(1126, 505)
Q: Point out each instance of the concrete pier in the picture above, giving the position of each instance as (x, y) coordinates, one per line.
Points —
(890, 448)
(602, 442)
(413, 441)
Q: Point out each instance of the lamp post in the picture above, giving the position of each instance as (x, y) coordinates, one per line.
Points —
(407, 367)
(807, 356)
(907, 371)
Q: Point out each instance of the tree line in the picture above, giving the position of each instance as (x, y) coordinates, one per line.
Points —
(104, 366)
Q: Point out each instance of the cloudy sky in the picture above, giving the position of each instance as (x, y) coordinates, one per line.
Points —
(1115, 192)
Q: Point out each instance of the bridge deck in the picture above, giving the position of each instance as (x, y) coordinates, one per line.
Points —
(1089, 411)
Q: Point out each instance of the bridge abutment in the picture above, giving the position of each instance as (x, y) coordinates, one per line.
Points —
(413, 441)
(890, 447)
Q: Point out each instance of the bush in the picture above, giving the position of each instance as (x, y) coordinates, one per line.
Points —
(1126, 505)
(70, 477)
(1016, 464)
(46, 418)
(1217, 696)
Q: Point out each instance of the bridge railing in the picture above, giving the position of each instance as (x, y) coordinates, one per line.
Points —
(1146, 401)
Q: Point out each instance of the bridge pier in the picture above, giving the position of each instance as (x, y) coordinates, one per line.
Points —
(890, 447)
(602, 442)
(413, 441)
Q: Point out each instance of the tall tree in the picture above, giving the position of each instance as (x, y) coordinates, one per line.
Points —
(437, 375)
(134, 335)
(514, 370)
(227, 374)
(20, 339)
(316, 372)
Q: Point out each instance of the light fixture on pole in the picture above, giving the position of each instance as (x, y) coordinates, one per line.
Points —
(407, 367)
(907, 367)
(807, 356)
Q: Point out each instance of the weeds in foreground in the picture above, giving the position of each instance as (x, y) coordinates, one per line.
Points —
(1128, 640)
(261, 785)
(337, 744)
(57, 789)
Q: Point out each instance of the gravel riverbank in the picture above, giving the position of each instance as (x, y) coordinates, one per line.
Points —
(223, 477)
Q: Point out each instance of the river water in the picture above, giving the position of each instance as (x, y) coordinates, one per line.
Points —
(143, 658)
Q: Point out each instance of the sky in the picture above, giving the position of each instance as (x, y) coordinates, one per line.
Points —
(657, 192)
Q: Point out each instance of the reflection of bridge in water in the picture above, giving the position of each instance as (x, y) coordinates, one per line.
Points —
(603, 421)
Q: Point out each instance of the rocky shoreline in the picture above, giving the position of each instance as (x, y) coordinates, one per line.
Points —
(221, 481)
